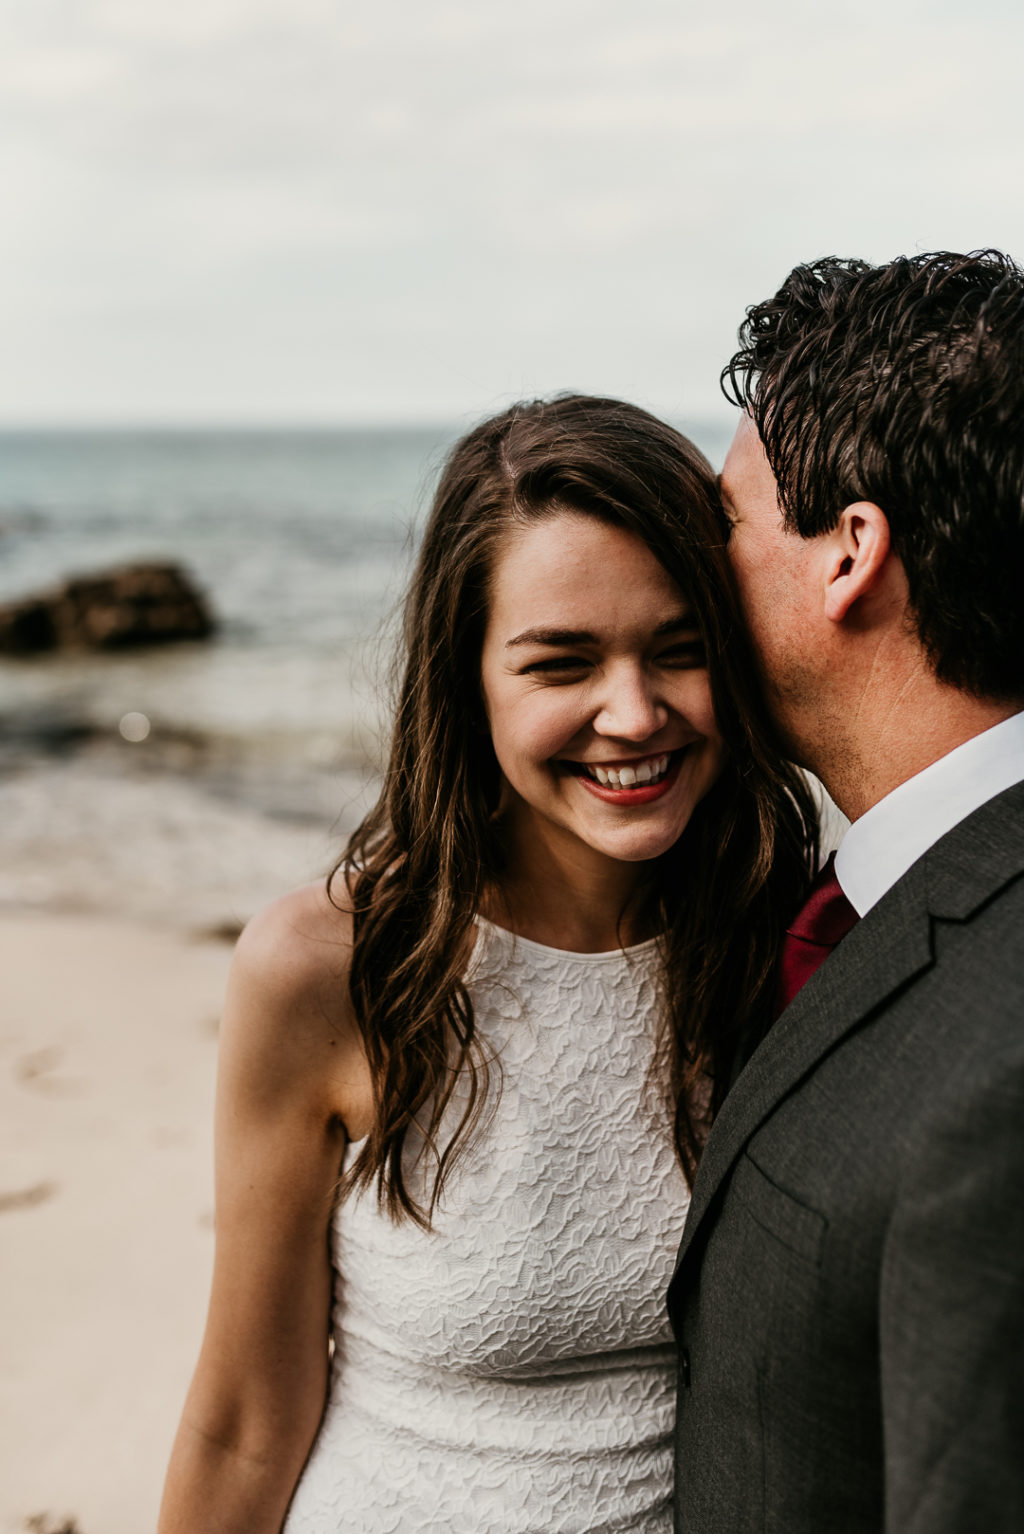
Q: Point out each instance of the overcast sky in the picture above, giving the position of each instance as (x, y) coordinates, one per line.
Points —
(289, 210)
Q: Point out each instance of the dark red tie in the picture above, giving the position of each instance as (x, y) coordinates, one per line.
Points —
(824, 918)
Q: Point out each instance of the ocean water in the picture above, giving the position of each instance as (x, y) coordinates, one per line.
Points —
(300, 540)
(261, 746)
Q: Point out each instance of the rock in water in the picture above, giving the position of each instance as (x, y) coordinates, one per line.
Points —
(139, 604)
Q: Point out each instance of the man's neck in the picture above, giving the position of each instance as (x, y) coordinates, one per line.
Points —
(890, 737)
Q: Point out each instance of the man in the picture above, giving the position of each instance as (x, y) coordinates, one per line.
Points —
(849, 1297)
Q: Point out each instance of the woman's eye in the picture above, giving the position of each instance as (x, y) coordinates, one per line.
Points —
(554, 665)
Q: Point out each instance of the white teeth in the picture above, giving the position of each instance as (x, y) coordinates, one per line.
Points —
(627, 777)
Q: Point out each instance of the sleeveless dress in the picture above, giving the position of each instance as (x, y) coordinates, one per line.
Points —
(512, 1371)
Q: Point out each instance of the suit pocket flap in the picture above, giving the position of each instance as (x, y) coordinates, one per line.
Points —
(796, 1225)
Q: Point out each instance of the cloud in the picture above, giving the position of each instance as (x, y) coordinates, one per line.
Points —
(251, 205)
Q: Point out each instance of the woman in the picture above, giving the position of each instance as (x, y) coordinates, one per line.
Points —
(503, 1026)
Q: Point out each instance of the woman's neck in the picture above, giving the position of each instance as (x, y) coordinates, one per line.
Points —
(570, 897)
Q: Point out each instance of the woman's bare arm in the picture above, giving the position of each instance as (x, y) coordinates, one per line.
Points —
(292, 1087)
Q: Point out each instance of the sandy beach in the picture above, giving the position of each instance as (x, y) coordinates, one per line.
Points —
(108, 1036)
(121, 893)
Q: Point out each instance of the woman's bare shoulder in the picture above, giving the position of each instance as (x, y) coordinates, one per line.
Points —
(288, 1021)
(300, 944)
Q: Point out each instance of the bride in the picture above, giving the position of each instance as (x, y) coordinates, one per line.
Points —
(464, 1087)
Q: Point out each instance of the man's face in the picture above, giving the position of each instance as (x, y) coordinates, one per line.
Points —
(775, 572)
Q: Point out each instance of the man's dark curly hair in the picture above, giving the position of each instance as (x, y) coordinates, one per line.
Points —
(904, 385)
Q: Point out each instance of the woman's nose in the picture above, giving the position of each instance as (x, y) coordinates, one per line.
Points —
(630, 707)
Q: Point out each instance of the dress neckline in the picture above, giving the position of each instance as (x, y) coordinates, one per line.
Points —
(606, 956)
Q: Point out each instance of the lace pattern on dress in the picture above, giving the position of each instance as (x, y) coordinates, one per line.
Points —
(512, 1372)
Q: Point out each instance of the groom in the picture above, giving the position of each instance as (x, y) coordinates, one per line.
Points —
(849, 1297)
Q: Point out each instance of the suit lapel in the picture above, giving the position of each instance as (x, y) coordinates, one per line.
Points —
(883, 952)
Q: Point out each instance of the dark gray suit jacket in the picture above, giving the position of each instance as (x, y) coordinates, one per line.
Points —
(849, 1296)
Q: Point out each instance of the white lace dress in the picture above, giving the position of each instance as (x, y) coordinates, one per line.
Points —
(513, 1372)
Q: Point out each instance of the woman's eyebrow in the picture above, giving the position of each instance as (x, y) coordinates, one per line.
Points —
(682, 623)
(685, 623)
(552, 636)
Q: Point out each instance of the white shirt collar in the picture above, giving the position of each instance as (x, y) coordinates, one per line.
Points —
(884, 843)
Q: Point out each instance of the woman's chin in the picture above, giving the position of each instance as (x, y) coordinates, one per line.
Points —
(636, 844)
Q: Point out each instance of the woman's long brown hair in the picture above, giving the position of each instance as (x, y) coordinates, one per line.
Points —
(418, 867)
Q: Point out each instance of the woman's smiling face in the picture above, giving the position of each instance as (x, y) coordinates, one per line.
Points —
(596, 691)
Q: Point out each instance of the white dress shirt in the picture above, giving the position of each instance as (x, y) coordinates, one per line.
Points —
(878, 848)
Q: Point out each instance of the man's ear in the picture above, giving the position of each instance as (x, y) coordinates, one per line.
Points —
(859, 546)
